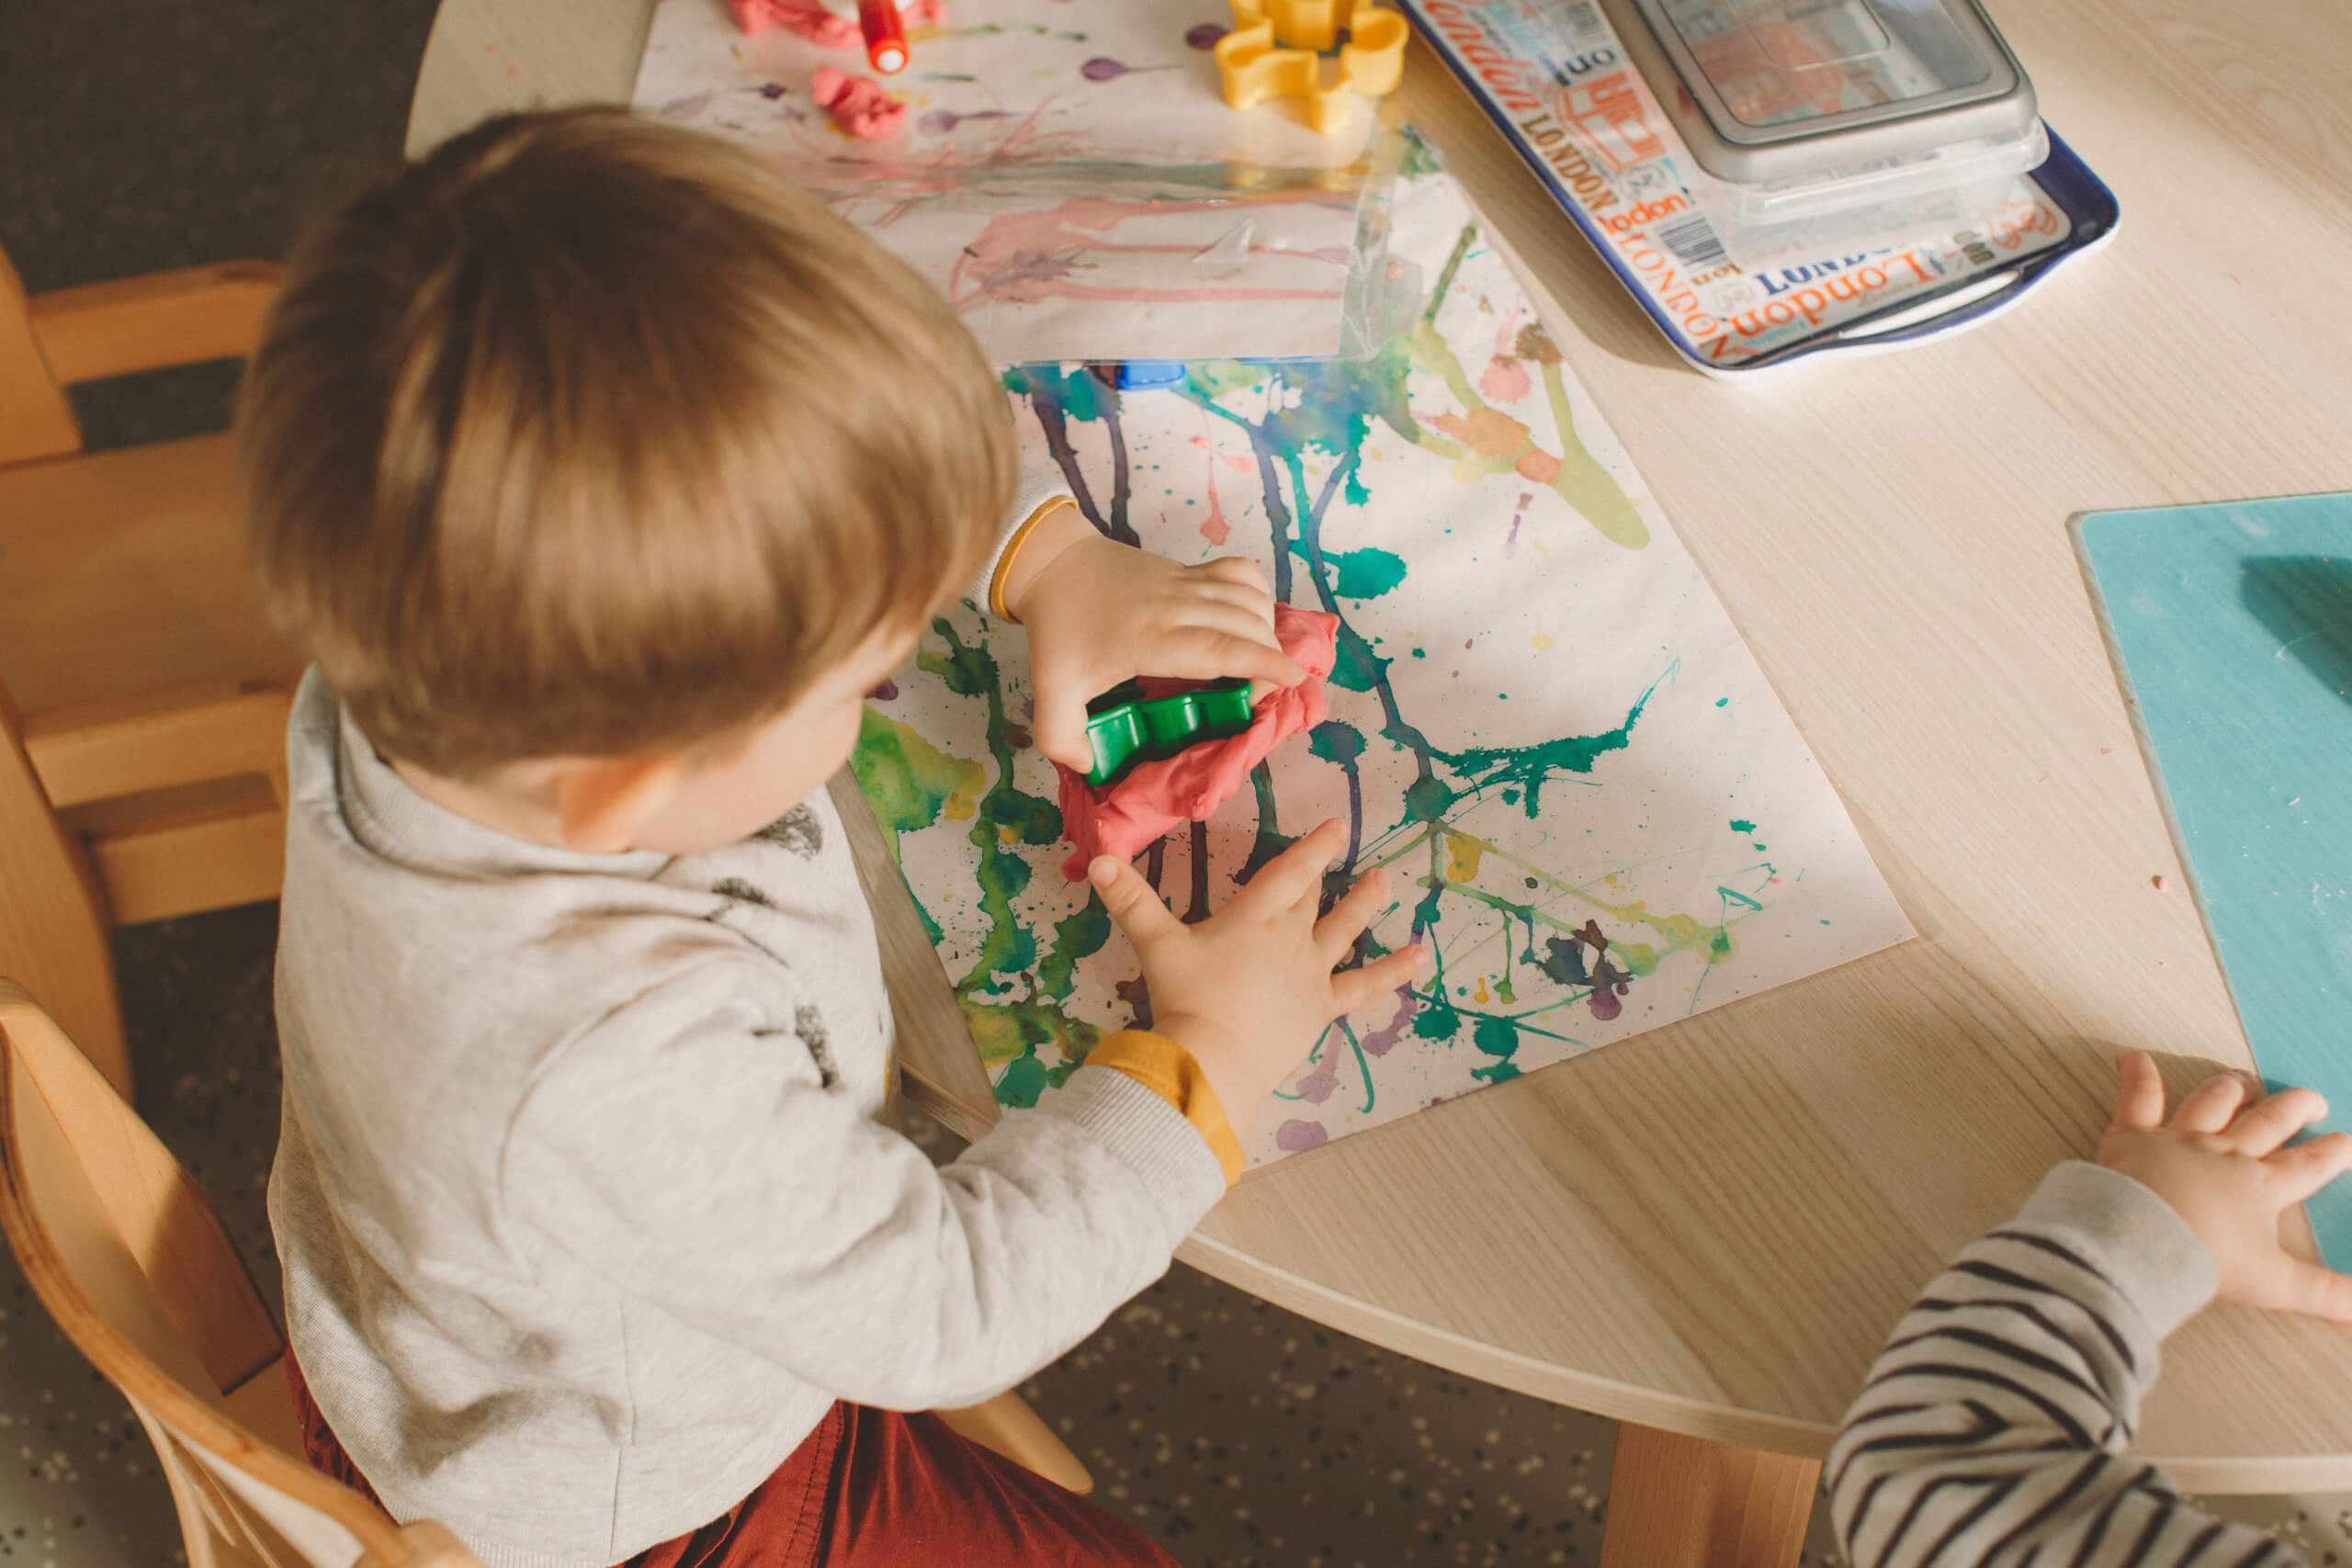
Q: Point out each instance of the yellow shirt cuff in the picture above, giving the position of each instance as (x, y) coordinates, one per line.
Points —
(1168, 1070)
(1012, 547)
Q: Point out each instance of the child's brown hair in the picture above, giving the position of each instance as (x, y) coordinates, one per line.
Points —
(589, 435)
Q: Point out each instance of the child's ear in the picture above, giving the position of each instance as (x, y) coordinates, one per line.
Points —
(603, 803)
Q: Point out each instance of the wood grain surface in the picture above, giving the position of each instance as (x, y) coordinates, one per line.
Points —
(1709, 1229)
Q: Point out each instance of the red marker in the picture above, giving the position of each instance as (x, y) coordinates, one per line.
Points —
(886, 36)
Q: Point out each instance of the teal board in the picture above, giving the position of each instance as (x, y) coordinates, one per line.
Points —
(2231, 627)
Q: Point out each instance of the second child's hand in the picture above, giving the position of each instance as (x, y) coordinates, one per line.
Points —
(2222, 1163)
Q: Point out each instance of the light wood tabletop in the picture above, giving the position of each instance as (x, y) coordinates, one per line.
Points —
(1708, 1230)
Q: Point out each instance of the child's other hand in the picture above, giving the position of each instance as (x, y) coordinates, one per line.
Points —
(2222, 1165)
(1249, 990)
(1098, 612)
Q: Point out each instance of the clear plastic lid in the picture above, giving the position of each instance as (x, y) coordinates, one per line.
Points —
(1766, 89)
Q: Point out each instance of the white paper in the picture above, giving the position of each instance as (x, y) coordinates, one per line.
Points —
(1580, 745)
(1061, 172)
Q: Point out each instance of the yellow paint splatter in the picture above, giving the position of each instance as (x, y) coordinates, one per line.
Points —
(1464, 866)
(1480, 995)
(1542, 641)
(995, 1032)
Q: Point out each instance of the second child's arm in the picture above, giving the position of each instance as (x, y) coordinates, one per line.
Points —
(1993, 1428)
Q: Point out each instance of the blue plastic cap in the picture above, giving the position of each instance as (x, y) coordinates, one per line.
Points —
(1151, 372)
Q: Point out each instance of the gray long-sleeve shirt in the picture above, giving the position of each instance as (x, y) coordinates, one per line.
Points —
(584, 1210)
(1992, 1431)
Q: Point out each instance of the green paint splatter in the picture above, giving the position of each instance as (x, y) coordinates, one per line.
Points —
(1742, 825)
(1437, 1020)
(910, 783)
(1335, 742)
(1078, 937)
(1008, 947)
(1355, 667)
(1366, 573)
(1499, 1038)
(1530, 766)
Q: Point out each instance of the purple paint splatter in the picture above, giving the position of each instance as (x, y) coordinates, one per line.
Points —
(1319, 1085)
(1294, 1135)
(772, 91)
(939, 122)
(883, 693)
(1203, 35)
(1102, 68)
(1378, 1042)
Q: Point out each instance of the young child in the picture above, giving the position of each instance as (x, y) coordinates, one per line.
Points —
(600, 473)
(1992, 1428)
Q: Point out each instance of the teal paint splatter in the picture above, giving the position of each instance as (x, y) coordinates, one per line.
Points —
(1335, 742)
(1499, 1038)
(1366, 573)
(1741, 825)
(1530, 767)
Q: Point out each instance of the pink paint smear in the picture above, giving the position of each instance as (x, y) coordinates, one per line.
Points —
(1024, 257)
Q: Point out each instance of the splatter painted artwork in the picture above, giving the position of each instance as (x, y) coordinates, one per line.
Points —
(1595, 811)
(1068, 176)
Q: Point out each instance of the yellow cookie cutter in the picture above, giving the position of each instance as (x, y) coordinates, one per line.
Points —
(1274, 51)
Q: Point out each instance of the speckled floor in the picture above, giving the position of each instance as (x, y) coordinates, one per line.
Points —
(135, 137)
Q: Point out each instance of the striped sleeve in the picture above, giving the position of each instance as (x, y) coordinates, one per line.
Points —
(1993, 1428)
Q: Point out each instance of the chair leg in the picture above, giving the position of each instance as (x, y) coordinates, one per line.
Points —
(52, 917)
(1006, 1425)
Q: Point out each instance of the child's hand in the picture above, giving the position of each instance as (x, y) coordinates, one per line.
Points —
(2220, 1163)
(1250, 990)
(1099, 612)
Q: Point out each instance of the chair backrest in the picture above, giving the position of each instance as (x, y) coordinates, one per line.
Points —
(130, 1259)
(54, 340)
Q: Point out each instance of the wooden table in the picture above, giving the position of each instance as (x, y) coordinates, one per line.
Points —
(1706, 1233)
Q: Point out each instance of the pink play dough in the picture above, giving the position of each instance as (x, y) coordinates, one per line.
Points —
(1155, 797)
(859, 106)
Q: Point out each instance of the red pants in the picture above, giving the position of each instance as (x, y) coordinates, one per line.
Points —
(867, 1489)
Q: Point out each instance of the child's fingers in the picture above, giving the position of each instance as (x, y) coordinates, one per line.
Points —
(2138, 1094)
(2271, 1120)
(2208, 1108)
(1130, 901)
(1337, 931)
(1298, 870)
(1233, 620)
(2301, 1171)
(2310, 1289)
(1238, 570)
(1353, 988)
(1197, 653)
(1254, 596)
(1058, 729)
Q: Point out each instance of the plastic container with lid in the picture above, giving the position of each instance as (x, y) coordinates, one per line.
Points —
(1822, 123)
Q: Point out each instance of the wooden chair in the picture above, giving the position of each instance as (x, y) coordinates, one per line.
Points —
(130, 1259)
(144, 695)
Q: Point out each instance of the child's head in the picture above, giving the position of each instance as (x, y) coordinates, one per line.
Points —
(589, 440)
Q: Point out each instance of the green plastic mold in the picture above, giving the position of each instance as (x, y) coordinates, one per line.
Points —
(1124, 726)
